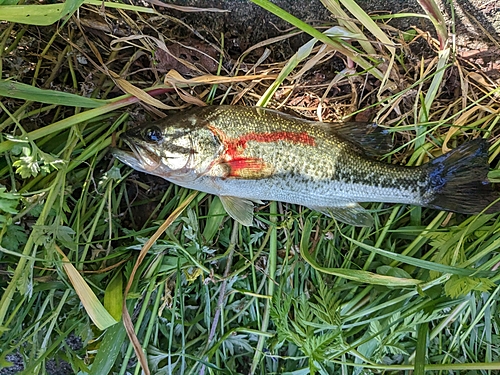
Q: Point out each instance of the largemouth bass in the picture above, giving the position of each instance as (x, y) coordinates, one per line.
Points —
(250, 154)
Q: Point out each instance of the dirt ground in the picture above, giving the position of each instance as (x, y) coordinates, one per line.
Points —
(474, 18)
(476, 34)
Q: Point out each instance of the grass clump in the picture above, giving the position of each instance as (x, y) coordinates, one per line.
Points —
(105, 270)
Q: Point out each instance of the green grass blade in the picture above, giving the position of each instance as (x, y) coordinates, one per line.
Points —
(344, 20)
(423, 330)
(17, 90)
(96, 311)
(122, 6)
(425, 264)
(367, 22)
(354, 56)
(273, 254)
(364, 277)
(66, 123)
(295, 60)
(355, 275)
(431, 94)
(431, 8)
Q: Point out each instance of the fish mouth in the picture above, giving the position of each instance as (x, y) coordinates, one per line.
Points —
(139, 158)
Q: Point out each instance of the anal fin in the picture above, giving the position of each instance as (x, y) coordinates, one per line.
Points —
(349, 213)
(239, 209)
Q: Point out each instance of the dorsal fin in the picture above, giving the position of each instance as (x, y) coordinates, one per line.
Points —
(371, 138)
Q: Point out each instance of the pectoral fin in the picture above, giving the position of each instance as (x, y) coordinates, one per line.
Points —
(239, 209)
(247, 168)
(350, 213)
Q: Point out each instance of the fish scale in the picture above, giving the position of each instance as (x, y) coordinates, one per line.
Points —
(249, 154)
(331, 166)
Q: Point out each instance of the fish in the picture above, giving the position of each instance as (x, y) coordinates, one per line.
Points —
(246, 155)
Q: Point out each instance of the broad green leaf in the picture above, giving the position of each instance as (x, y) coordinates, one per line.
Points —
(14, 237)
(113, 297)
(8, 202)
(40, 15)
(215, 217)
(109, 349)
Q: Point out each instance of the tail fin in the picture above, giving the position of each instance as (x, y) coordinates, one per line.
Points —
(458, 180)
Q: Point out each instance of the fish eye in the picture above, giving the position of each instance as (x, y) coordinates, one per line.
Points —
(153, 134)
